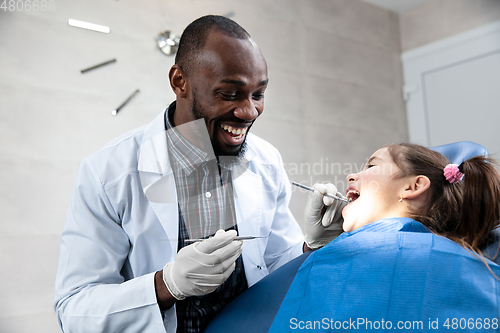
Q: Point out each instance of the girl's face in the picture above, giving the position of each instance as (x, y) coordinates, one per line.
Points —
(375, 191)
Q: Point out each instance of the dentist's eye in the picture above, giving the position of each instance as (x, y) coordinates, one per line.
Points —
(229, 96)
(258, 96)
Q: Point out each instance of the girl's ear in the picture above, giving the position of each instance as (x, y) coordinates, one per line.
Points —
(417, 188)
(178, 81)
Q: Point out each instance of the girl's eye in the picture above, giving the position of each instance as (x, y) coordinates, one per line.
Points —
(368, 166)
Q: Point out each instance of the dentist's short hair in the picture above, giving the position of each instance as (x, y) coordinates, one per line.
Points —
(195, 35)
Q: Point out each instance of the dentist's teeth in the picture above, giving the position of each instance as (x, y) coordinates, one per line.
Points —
(239, 132)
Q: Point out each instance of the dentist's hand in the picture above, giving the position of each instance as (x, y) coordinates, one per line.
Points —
(323, 216)
(201, 267)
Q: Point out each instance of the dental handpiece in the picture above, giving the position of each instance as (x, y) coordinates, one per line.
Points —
(326, 195)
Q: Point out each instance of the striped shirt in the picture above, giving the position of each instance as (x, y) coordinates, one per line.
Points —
(206, 204)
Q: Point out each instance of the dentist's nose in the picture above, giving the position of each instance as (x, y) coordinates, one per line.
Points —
(247, 110)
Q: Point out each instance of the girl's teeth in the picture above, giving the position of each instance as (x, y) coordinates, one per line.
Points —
(352, 195)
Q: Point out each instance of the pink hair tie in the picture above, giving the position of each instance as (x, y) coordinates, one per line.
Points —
(452, 173)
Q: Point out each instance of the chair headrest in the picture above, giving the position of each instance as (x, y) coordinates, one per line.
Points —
(460, 151)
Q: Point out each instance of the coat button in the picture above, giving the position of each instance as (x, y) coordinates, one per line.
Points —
(259, 267)
(208, 194)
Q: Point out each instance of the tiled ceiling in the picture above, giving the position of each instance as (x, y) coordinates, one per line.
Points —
(396, 5)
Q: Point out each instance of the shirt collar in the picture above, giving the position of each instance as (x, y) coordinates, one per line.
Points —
(187, 155)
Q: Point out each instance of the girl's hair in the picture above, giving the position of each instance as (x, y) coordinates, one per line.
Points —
(466, 211)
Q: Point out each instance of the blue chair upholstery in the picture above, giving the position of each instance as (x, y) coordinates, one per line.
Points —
(458, 152)
(254, 311)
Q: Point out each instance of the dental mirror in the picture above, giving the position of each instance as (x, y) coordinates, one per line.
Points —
(167, 42)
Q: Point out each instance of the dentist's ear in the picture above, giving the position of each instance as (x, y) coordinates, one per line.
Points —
(417, 188)
(178, 81)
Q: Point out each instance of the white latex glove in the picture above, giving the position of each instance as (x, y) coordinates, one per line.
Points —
(323, 216)
(201, 267)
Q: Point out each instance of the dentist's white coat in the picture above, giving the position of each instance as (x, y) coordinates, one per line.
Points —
(122, 227)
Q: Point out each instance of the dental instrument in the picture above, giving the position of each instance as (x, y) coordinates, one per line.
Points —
(193, 240)
(326, 195)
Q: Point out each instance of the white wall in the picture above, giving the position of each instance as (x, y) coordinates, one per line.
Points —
(438, 19)
(334, 97)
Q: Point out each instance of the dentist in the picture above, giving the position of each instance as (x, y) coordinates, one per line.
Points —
(125, 264)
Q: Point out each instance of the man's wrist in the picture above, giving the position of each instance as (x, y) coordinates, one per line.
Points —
(163, 297)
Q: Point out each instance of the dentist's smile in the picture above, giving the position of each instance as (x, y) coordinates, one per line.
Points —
(233, 134)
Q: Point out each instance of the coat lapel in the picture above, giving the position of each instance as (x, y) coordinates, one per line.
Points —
(248, 198)
(248, 202)
(157, 179)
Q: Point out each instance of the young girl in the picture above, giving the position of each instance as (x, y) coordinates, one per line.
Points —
(410, 257)
(408, 180)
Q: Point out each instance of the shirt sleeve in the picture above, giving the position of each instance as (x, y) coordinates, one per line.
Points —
(91, 295)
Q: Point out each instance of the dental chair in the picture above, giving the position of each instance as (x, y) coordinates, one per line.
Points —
(255, 310)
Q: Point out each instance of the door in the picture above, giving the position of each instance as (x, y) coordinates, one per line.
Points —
(452, 89)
